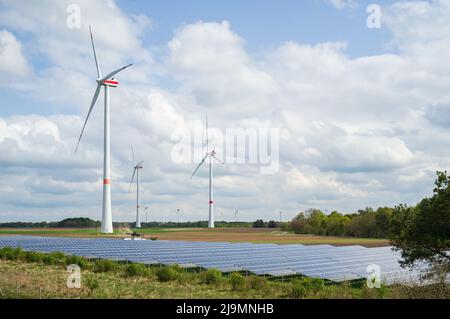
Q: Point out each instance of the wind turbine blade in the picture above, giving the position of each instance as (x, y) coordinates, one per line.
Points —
(110, 75)
(218, 160)
(132, 178)
(140, 163)
(95, 55)
(132, 154)
(203, 160)
(94, 99)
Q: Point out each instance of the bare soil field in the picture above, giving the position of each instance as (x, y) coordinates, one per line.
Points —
(253, 235)
(265, 236)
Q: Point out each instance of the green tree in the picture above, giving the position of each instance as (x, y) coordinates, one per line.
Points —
(422, 233)
(363, 225)
(259, 224)
(335, 224)
(383, 216)
(317, 221)
(300, 224)
(272, 224)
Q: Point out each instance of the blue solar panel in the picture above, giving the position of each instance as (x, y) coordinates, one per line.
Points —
(319, 261)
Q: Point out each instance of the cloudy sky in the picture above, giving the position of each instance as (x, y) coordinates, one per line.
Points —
(364, 114)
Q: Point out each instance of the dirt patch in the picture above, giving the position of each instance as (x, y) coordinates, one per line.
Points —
(265, 236)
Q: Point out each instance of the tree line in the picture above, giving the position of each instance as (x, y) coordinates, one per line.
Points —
(365, 223)
(78, 222)
(421, 233)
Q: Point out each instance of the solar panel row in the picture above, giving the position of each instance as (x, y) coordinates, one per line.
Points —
(319, 261)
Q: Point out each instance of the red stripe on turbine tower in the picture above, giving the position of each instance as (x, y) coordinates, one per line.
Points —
(211, 202)
(111, 83)
(106, 181)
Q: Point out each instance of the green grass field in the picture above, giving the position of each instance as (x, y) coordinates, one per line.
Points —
(21, 279)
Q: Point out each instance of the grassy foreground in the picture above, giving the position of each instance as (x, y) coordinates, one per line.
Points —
(36, 275)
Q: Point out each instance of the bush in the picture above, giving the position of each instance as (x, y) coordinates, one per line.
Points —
(10, 253)
(33, 257)
(153, 238)
(77, 260)
(104, 265)
(212, 276)
(55, 258)
(237, 281)
(167, 274)
(256, 282)
(177, 268)
(306, 286)
(134, 270)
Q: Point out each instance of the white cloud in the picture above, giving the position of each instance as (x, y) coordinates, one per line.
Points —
(212, 62)
(355, 132)
(341, 4)
(12, 60)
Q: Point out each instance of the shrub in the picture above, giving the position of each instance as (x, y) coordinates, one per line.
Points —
(306, 286)
(167, 274)
(153, 238)
(104, 265)
(34, 257)
(177, 268)
(212, 276)
(10, 253)
(256, 282)
(237, 281)
(133, 270)
(55, 258)
(77, 260)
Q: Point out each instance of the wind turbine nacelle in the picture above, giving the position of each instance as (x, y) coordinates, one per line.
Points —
(111, 83)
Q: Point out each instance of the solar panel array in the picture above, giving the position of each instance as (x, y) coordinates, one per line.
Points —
(318, 261)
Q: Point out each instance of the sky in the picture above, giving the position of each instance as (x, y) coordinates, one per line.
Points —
(363, 113)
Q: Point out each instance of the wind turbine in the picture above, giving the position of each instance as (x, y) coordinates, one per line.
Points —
(136, 172)
(210, 156)
(106, 82)
(146, 214)
(236, 215)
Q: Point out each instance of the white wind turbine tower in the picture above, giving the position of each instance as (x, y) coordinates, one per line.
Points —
(210, 156)
(136, 173)
(106, 82)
